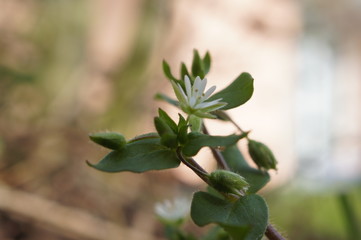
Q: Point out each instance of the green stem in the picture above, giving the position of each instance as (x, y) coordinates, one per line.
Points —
(350, 217)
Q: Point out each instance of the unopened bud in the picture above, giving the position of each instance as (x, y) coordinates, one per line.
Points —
(228, 182)
(111, 140)
(261, 155)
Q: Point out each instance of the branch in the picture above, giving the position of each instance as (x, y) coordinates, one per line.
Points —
(271, 232)
(216, 154)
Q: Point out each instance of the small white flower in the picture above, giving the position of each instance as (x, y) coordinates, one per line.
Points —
(193, 99)
(172, 211)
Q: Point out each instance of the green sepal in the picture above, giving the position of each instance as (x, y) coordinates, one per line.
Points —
(237, 93)
(139, 156)
(197, 66)
(195, 123)
(110, 140)
(257, 179)
(246, 218)
(196, 140)
(262, 155)
(228, 182)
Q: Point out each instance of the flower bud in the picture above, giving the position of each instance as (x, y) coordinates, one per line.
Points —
(161, 126)
(228, 182)
(261, 155)
(169, 140)
(111, 140)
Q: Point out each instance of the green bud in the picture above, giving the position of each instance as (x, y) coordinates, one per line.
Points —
(169, 140)
(183, 134)
(195, 122)
(111, 140)
(144, 136)
(261, 155)
(228, 182)
(161, 126)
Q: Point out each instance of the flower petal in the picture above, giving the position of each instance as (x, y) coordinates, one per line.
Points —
(202, 87)
(208, 93)
(188, 86)
(197, 86)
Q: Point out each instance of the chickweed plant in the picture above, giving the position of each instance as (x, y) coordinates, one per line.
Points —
(230, 201)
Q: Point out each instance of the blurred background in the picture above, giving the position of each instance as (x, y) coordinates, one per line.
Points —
(68, 68)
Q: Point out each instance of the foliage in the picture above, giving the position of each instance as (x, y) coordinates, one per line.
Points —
(231, 201)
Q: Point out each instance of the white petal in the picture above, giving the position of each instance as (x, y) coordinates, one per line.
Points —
(188, 86)
(202, 87)
(208, 93)
(192, 101)
(207, 104)
(196, 86)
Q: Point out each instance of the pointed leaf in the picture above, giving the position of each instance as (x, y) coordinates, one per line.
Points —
(111, 140)
(207, 63)
(163, 115)
(237, 93)
(198, 140)
(167, 71)
(161, 96)
(197, 65)
(247, 216)
(184, 71)
(139, 156)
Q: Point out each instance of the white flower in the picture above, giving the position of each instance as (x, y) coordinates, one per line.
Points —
(193, 99)
(172, 211)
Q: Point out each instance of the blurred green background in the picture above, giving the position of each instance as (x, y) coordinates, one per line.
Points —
(68, 68)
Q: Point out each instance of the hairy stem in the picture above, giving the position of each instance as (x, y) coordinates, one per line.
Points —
(192, 164)
(216, 154)
(271, 232)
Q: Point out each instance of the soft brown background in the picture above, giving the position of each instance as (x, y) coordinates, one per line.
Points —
(68, 68)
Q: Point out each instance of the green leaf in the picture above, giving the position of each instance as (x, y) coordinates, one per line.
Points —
(168, 120)
(247, 216)
(144, 136)
(197, 65)
(111, 140)
(139, 156)
(207, 63)
(163, 97)
(161, 126)
(237, 93)
(168, 72)
(257, 179)
(184, 71)
(198, 140)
